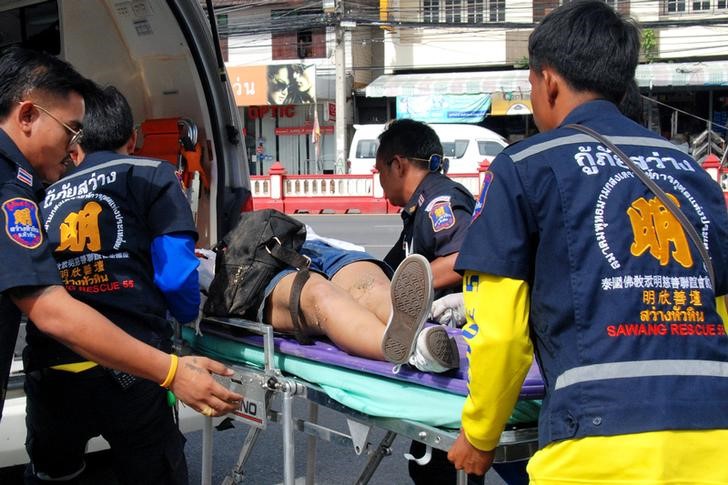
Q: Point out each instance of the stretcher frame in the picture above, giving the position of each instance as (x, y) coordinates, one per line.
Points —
(514, 445)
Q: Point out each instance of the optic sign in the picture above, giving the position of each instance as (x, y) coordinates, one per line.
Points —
(277, 84)
(256, 112)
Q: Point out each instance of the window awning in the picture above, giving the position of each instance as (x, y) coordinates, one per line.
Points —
(709, 73)
(393, 85)
(661, 74)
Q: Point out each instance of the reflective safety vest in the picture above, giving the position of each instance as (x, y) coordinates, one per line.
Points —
(623, 312)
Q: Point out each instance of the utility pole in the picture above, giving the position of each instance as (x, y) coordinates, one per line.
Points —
(340, 58)
(335, 9)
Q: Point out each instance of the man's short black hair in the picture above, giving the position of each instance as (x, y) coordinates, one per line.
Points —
(25, 71)
(593, 47)
(108, 123)
(632, 105)
(408, 138)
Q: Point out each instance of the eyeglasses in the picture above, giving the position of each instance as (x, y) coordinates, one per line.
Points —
(76, 135)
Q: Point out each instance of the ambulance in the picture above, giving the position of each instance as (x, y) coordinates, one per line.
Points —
(161, 54)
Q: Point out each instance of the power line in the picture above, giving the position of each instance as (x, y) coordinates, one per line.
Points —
(261, 19)
(707, 121)
(366, 14)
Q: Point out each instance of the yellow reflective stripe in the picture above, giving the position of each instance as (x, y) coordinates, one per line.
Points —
(720, 304)
(75, 367)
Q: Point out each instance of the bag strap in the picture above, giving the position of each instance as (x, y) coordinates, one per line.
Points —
(301, 263)
(294, 306)
(659, 193)
(286, 255)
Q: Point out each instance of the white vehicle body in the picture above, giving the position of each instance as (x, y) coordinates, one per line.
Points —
(466, 146)
(161, 55)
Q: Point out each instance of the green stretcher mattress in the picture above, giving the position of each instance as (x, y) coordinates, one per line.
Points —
(435, 402)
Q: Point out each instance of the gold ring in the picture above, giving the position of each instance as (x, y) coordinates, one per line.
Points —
(208, 411)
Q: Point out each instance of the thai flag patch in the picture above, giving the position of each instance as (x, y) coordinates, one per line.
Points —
(25, 176)
(487, 180)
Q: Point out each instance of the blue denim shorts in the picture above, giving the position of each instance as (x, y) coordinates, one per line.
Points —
(325, 260)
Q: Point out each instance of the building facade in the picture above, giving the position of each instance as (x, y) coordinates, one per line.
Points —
(445, 61)
(456, 42)
(266, 45)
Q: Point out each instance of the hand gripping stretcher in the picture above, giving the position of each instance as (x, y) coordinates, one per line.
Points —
(367, 392)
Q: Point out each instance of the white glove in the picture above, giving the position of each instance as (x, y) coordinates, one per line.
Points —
(449, 310)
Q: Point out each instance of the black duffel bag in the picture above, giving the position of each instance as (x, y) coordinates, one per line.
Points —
(262, 244)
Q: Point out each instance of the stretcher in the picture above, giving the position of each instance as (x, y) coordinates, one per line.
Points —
(370, 394)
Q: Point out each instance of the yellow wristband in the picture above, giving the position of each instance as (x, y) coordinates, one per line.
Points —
(172, 371)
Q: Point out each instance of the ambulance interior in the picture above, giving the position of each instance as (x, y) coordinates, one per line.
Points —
(160, 54)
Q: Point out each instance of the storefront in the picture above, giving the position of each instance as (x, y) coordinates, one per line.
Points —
(683, 97)
(497, 100)
(288, 116)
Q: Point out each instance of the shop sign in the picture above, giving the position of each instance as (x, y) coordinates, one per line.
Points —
(302, 130)
(276, 84)
(256, 112)
(509, 103)
(444, 108)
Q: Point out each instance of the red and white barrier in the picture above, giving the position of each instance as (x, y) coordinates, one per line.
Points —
(362, 194)
(719, 173)
(316, 194)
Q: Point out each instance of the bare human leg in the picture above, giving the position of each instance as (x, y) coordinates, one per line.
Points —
(329, 310)
(368, 285)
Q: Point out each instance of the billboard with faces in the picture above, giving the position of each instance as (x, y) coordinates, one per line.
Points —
(276, 84)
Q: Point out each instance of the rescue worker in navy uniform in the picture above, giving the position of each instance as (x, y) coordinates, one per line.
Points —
(41, 108)
(123, 237)
(436, 214)
(580, 260)
(436, 210)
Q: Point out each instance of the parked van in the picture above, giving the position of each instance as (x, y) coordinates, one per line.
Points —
(161, 55)
(466, 146)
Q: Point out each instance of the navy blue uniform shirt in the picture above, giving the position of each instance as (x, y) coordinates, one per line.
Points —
(24, 255)
(101, 220)
(622, 310)
(435, 220)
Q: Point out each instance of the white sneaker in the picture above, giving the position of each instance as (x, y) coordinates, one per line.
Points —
(435, 351)
(412, 294)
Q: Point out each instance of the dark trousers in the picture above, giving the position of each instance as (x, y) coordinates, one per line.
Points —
(439, 471)
(65, 410)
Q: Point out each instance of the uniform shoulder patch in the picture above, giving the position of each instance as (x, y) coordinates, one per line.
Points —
(22, 224)
(441, 214)
(487, 180)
